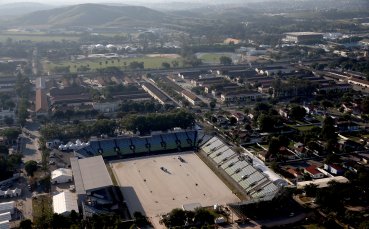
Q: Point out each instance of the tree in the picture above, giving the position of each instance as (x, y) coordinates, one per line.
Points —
(25, 224)
(8, 121)
(203, 217)
(262, 107)
(4, 150)
(266, 122)
(297, 113)
(225, 60)
(326, 104)
(165, 65)
(136, 65)
(30, 167)
(274, 146)
(212, 104)
(311, 190)
(364, 225)
(175, 64)
(22, 111)
(11, 134)
(177, 217)
(328, 129)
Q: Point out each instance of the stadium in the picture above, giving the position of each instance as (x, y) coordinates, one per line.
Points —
(176, 169)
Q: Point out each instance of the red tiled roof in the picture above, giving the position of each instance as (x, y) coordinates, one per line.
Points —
(41, 101)
(336, 167)
(312, 169)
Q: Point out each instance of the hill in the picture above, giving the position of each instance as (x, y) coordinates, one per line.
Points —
(91, 15)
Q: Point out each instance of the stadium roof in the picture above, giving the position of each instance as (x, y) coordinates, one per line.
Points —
(90, 174)
(65, 202)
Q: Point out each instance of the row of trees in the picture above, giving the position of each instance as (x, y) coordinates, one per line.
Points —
(143, 123)
(178, 218)
(75, 221)
(23, 90)
(143, 107)
(79, 130)
(155, 122)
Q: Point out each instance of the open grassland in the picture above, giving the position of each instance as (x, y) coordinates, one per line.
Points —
(123, 63)
(42, 209)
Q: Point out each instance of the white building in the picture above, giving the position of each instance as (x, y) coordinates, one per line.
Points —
(65, 202)
(61, 175)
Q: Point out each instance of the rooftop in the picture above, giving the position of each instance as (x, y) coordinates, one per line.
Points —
(41, 101)
(312, 169)
(190, 95)
(65, 202)
(90, 174)
(324, 182)
(302, 33)
(61, 172)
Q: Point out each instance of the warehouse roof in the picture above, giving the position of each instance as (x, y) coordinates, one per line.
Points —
(90, 174)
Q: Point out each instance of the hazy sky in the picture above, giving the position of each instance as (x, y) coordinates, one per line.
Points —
(98, 1)
(59, 2)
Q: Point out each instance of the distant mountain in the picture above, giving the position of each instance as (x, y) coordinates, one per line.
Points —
(20, 8)
(92, 15)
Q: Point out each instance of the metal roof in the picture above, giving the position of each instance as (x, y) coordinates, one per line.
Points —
(6, 206)
(90, 174)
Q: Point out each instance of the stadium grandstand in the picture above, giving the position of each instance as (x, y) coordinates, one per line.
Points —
(256, 181)
(126, 147)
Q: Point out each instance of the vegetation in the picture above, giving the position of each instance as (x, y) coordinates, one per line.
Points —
(154, 122)
(8, 165)
(178, 218)
(30, 167)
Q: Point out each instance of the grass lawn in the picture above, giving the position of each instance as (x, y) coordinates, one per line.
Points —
(42, 209)
(149, 63)
(303, 128)
(37, 37)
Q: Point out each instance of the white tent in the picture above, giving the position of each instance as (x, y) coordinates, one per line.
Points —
(61, 175)
(65, 202)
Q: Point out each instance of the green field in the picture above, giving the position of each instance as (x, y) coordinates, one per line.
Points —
(149, 63)
(37, 37)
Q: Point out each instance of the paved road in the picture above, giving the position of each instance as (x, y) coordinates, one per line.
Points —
(30, 144)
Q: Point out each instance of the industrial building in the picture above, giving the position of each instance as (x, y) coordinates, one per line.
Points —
(302, 37)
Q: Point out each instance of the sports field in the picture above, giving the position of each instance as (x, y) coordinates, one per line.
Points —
(152, 191)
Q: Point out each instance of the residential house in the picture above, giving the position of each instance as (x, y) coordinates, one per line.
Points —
(296, 174)
(334, 169)
(313, 172)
